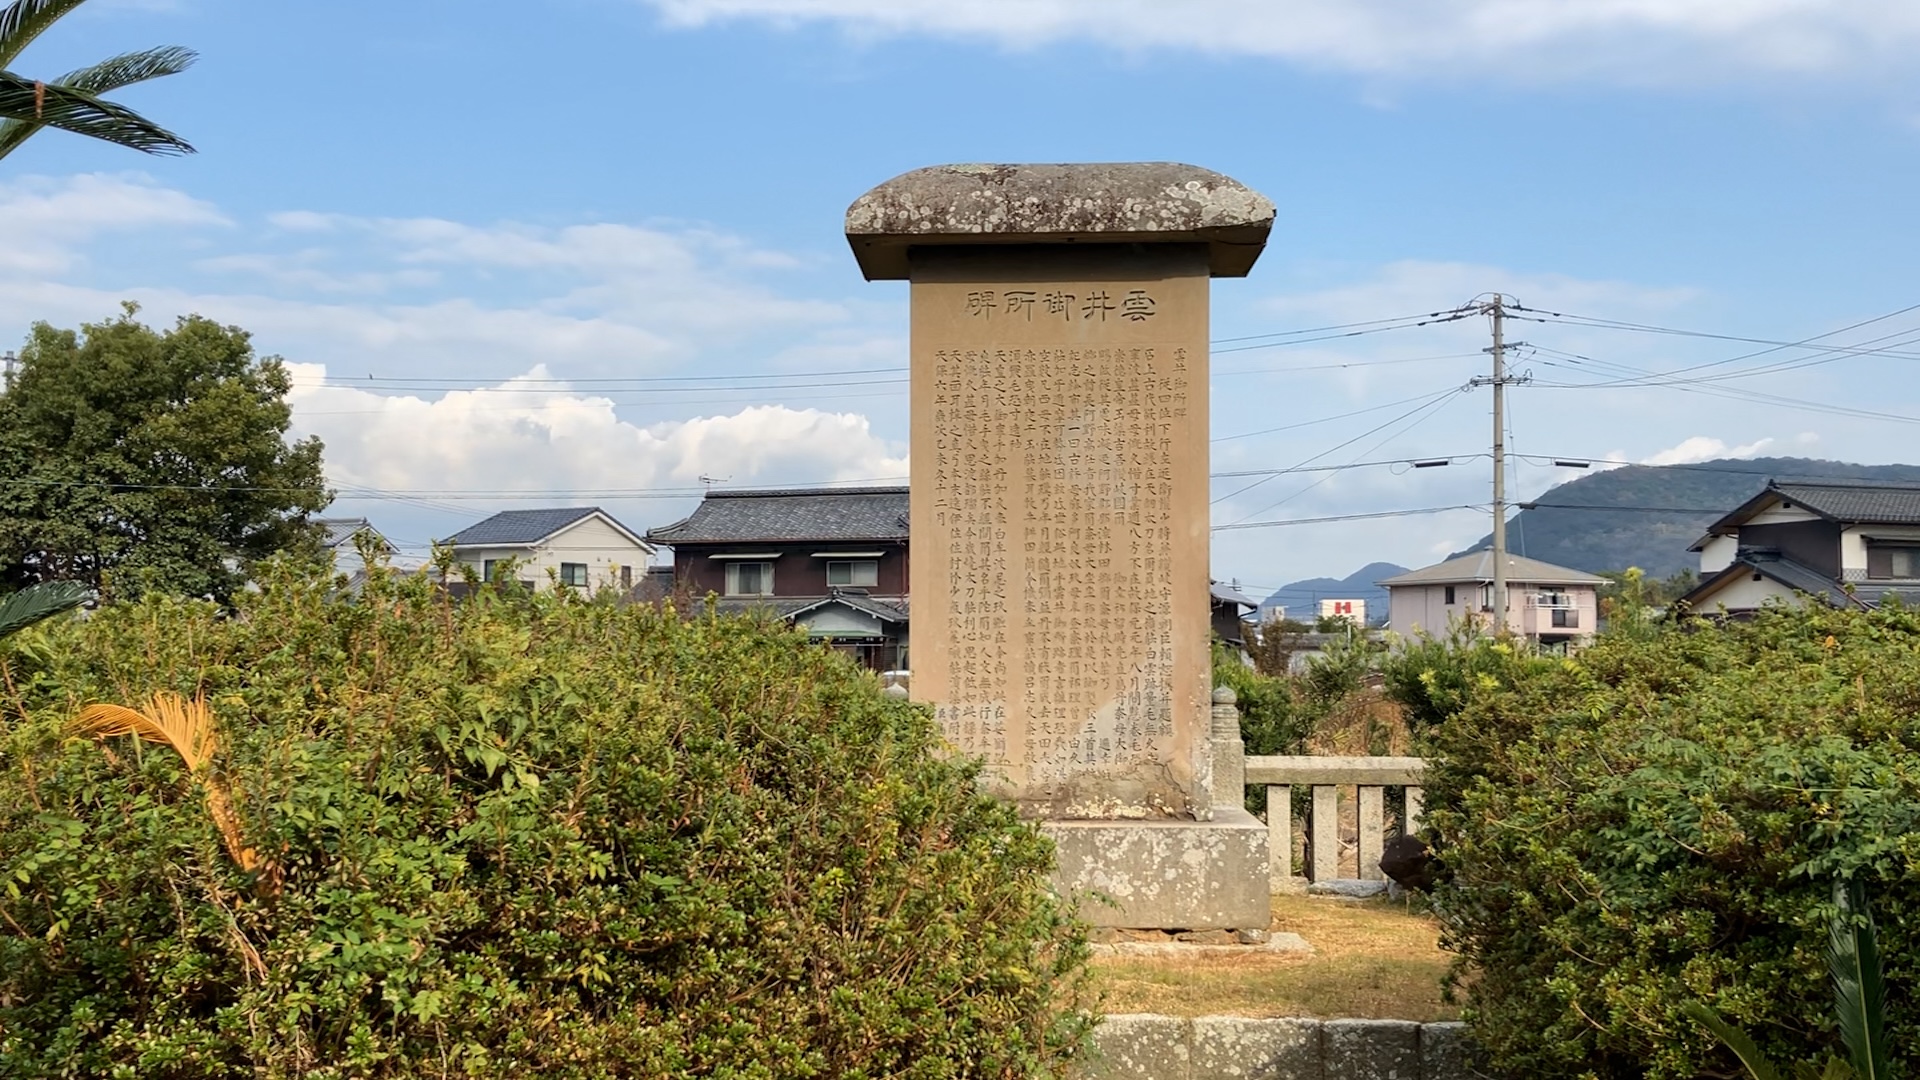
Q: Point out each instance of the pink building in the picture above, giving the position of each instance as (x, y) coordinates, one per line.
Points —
(1550, 605)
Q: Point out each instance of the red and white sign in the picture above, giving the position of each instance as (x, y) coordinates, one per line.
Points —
(1355, 610)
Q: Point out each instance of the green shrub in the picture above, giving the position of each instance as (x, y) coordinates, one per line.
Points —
(1271, 720)
(1433, 678)
(517, 836)
(1660, 820)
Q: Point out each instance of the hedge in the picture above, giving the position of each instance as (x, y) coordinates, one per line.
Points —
(1661, 819)
(511, 836)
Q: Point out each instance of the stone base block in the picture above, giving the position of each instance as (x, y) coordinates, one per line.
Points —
(1170, 875)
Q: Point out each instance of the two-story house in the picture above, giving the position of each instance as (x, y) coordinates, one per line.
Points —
(833, 560)
(1554, 606)
(581, 546)
(1849, 544)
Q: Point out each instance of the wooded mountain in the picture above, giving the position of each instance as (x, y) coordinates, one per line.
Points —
(1302, 598)
(1646, 515)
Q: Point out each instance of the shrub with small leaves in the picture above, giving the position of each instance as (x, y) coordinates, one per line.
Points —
(513, 836)
(1660, 820)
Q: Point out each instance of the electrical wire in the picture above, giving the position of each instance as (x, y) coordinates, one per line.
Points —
(1345, 517)
(1420, 414)
(1337, 416)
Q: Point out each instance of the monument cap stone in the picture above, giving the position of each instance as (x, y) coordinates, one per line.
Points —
(1114, 203)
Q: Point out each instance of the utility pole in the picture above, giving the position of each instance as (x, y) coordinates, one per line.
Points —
(1496, 310)
(1498, 313)
(8, 362)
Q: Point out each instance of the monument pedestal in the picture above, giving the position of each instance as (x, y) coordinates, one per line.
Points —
(1167, 874)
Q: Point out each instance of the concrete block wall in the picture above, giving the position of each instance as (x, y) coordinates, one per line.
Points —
(1143, 1046)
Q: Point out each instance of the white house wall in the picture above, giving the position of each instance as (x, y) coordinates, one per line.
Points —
(1417, 609)
(1745, 594)
(603, 548)
(1853, 544)
(1780, 515)
(1718, 554)
(840, 620)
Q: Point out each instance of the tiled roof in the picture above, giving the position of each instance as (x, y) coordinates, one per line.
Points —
(830, 514)
(511, 527)
(1226, 594)
(1477, 566)
(339, 532)
(1797, 576)
(889, 609)
(1883, 504)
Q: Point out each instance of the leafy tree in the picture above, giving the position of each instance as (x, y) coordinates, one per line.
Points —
(518, 835)
(72, 101)
(132, 459)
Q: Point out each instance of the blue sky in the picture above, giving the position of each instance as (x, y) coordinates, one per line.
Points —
(467, 223)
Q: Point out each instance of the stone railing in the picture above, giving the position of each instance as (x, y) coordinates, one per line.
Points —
(1368, 776)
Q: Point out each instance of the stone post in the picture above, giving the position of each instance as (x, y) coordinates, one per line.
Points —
(1229, 751)
(1061, 630)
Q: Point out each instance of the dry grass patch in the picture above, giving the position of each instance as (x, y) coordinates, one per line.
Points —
(1373, 959)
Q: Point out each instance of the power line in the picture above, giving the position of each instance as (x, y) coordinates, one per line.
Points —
(1427, 400)
(1335, 326)
(1429, 409)
(1338, 416)
(1344, 517)
(1616, 324)
(1699, 467)
(1730, 393)
(1429, 461)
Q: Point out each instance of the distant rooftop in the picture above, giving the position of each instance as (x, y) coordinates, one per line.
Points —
(1476, 567)
(1848, 502)
(794, 514)
(510, 528)
(1890, 504)
(339, 532)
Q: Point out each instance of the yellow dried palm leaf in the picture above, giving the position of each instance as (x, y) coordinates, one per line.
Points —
(188, 727)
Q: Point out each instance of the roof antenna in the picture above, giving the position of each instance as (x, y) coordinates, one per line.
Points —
(709, 481)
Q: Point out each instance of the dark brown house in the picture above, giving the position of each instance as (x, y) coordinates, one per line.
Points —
(833, 560)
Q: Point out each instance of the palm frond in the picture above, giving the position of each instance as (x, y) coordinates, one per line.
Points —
(129, 68)
(1859, 992)
(104, 77)
(37, 602)
(24, 20)
(1736, 1040)
(68, 109)
(1836, 1069)
(187, 727)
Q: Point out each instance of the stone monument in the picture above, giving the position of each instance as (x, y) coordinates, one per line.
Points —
(1059, 508)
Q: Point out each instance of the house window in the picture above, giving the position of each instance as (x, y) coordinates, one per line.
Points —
(573, 573)
(1449, 596)
(1566, 618)
(1889, 561)
(863, 572)
(486, 569)
(750, 579)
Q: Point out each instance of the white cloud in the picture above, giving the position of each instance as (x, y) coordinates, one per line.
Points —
(1634, 41)
(46, 220)
(528, 435)
(1704, 448)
